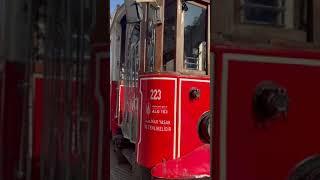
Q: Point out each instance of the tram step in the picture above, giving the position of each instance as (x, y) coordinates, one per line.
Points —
(120, 172)
(130, 155)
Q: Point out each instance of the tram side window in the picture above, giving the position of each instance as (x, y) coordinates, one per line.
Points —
(134, 56)
(195, 37)
(123, 24)
(270, 12)
(169, 38)
(151, 39)
(290, 14)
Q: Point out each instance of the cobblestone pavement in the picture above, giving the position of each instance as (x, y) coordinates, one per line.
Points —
(118, 170)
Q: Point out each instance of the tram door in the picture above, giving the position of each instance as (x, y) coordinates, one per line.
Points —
(131, 75)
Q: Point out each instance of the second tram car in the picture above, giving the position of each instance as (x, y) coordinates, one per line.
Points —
(160, 89)
(266, 75)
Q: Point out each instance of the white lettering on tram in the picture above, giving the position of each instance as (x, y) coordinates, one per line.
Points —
(155, 94)
(157, 128)
(151, 121)
(155, 121)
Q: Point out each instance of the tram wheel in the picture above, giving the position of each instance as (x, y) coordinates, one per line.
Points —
(309, 169)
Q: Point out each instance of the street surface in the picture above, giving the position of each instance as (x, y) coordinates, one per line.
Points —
(118, 170)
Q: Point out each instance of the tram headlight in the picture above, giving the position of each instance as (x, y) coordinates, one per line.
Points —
(204, 127)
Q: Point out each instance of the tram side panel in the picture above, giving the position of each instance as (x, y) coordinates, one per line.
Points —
(121, 104)
(38, 109)
(169, 117)
(116, 106)
(113, 107)
(266, 114)
(157, 120)
(194, 93)
(100, 91)
(11, 119)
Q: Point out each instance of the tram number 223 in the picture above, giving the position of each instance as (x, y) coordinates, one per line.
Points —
(155, 94)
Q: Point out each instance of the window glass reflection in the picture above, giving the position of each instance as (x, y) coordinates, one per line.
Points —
(151, 39)
(195, 30)
(169, 37)
(264, 11)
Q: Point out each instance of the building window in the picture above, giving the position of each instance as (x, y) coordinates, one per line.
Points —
(264, 12)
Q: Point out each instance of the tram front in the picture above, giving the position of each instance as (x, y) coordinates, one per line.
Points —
(168, 86)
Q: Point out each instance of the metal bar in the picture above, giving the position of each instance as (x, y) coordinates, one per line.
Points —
(2, 99)
(68, 83)
(254, 5)
(44, 137)
(80, 88)
(264, 23)
(29, 94)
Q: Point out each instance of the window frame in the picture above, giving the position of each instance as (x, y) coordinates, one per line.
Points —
(280, 9)
(179, 61)
(144, 63)
(262, 33)
(148, 67)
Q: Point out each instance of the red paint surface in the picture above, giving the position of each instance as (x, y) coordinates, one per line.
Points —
(271, 151)
(121, 104)
(113, 107)
(116, 106)
(191, 166)
(162, 145)
(156, 135)
(11, 119)
(191, 111)
(37, 125)
(104, 91)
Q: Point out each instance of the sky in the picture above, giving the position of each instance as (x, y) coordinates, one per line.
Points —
(113, 4)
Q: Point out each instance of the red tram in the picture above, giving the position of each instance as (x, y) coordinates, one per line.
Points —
(266, 73)
(160, 88)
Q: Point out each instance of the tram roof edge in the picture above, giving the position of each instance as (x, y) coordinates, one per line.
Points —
(118, 14)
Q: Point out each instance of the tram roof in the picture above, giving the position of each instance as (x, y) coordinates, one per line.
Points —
(120, 12)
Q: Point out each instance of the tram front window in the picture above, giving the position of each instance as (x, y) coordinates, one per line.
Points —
(195, 38)
(169, 37)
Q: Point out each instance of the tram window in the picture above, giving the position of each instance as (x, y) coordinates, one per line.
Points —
(151, 39)
(271, 12)
(169, 38)
(195, 38)
(123, 24)
(131, 67)
(301, 15)
(290, 14)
